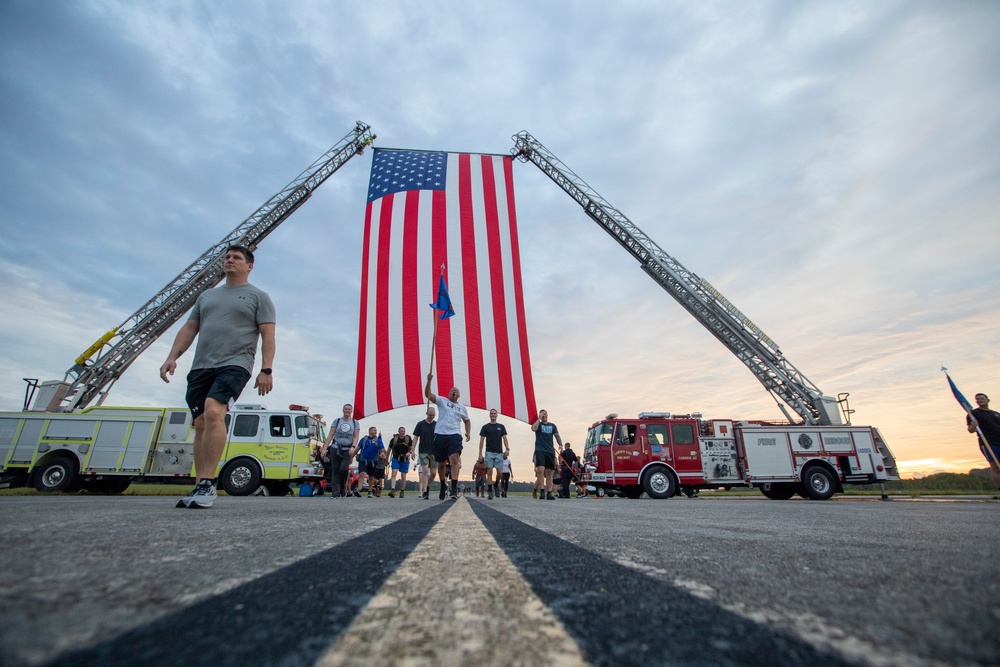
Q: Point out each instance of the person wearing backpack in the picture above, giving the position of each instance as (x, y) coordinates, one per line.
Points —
(338, 450)
(399, 447)
(370, 448)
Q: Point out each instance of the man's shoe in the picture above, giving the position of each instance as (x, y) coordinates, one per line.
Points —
(369, 494)
(204, 495)
(401, 492)
(442, 494)
(392, 493)
(186, 500)
(550, 497)
(534, 494)
(357, 494)
(489, 495)
(454, 495)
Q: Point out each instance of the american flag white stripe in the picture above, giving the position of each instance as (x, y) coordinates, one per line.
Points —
(415, 221)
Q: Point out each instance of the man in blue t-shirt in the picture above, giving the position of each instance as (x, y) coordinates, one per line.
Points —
(545, 455)
(370, 447)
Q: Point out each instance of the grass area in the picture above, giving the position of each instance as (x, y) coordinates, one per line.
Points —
(133, 490)
(944, 484)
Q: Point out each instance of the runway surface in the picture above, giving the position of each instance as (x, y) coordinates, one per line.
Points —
(300, 581)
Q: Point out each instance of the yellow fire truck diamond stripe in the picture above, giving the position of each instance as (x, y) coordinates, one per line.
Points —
(456, 600)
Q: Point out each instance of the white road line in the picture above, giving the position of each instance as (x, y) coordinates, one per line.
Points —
(456, 600)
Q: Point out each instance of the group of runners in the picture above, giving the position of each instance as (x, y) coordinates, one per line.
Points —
(436, 445)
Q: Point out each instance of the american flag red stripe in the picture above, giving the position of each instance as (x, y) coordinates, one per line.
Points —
(425, 210)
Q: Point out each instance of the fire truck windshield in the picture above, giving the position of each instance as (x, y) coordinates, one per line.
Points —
(600, 434)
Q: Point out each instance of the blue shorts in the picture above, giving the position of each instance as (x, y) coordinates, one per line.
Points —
(224, 384)
(401, 466)
(446, 445)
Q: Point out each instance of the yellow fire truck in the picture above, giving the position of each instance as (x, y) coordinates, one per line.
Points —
(104, 449)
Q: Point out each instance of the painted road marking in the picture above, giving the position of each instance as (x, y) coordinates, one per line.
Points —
(456, 600)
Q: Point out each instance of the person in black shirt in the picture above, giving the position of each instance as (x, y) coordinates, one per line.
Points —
(423, 450)
(400, 449)
(988, 424)
(494, 436)
(570, 466)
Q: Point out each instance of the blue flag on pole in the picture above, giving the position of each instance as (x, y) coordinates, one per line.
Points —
(443, 302)
(958, 395)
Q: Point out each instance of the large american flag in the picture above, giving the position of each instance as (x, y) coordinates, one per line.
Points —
(427, 210)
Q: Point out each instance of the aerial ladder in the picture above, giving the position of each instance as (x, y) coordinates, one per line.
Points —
(90, 379)
(721, 317)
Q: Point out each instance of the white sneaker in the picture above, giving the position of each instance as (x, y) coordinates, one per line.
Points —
(203, 496)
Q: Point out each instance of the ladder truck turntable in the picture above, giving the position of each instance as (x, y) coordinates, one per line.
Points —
(813, 454)
(61, 442)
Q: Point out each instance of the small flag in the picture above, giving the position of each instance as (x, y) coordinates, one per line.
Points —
(443, 302)
(958, 395)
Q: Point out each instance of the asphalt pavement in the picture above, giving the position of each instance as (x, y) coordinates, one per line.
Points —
(89, 580)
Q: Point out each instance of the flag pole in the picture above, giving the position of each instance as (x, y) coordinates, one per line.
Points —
(991, 456)
(430, 368)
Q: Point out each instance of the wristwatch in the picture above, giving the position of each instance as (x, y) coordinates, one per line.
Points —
(265, 371)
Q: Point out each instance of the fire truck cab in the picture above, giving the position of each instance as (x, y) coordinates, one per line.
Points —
(662, 454)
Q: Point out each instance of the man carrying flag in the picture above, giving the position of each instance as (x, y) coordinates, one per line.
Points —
(986, 423)
(448, 435)
(451, 413)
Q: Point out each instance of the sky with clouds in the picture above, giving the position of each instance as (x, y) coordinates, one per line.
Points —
(831, 168)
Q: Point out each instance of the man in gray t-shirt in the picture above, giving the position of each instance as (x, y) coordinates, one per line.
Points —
(227, 321)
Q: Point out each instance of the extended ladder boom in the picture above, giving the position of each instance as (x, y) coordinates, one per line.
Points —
(89, 380)
(716, 313)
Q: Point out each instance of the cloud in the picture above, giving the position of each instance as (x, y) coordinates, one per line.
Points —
(829, 168)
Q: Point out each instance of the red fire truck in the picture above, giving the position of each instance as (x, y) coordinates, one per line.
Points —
(663, 454)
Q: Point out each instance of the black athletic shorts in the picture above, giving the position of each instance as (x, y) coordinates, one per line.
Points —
(446, 445)
(223, 384)
(545, 460)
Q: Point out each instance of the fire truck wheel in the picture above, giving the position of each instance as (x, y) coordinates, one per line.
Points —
(779, 491)
(240, 477)
(659, 483)
(818, 483)
(59, 473)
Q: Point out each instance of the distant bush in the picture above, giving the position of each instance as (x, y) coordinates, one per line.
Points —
(975, 481)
